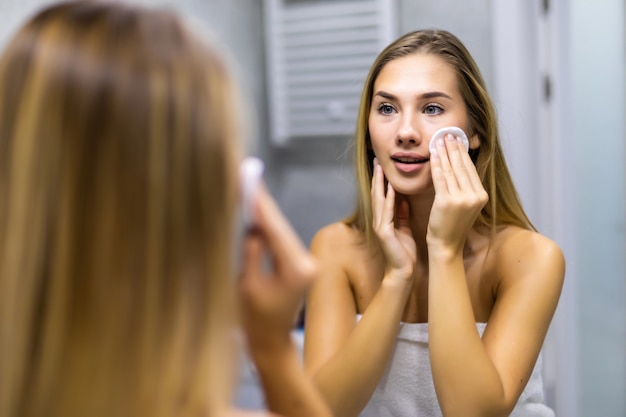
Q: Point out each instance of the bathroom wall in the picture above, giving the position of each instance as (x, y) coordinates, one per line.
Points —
(598, 77)
(237, 24)
(312, 179)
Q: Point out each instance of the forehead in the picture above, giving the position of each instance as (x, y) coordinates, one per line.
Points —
(417, 73)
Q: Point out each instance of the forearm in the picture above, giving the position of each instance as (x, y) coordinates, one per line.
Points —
(289, 391)
(466, 380)
(349, 379)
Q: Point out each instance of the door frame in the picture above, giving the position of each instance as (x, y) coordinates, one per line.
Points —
(531, 49)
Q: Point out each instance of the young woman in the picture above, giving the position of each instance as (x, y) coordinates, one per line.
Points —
(119, 162)
(435, 296)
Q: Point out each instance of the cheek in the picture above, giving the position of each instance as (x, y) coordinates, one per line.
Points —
(375, 142)
(379, 135)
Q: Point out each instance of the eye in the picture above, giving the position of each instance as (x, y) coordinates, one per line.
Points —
(386, 109)
(433, 109)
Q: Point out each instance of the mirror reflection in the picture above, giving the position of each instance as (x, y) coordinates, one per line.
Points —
(555, 73)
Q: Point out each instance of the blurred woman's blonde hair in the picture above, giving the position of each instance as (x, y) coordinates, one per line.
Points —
(504, 207)
(118, 186)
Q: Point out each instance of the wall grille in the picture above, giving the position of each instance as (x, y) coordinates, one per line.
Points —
(318, 55)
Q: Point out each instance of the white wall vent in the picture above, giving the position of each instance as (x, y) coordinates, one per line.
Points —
(318, 55)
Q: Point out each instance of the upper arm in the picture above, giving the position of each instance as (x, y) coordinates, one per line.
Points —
(330, 306)
(246, 413)
(532, 270)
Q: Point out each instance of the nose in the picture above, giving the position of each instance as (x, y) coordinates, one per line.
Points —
(408, 133)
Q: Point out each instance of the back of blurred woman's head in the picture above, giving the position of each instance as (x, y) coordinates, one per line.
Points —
(117, 190)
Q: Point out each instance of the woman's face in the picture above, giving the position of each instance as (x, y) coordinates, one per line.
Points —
(413, 97)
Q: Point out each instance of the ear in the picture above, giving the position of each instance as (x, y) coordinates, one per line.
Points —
(474, 141)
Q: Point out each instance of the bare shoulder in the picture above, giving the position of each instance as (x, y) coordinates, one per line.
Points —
(522, 245)
(348, 265)
(526, 253)
(331, 297)
(337, 240)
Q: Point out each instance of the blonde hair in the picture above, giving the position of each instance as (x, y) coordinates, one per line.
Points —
(504, 207)
(117, 192)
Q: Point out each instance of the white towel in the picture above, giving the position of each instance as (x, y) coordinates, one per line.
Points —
(406, 388)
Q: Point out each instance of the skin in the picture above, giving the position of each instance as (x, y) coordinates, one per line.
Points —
(270, 299)
(433, 265)
(92, 75)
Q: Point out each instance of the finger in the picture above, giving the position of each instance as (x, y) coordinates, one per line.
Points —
(389, 207)
(286, 247)
(437, 174)
(446, 165)
(472, 173)
(252, 266)
(439, 179)
(456, 152)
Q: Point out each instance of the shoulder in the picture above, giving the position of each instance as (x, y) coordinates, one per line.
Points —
(525, 253)
(337, 237)
(342, 252)
(522, 245)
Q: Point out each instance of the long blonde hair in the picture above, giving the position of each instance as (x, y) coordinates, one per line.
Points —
(117, 194)
(504, 207)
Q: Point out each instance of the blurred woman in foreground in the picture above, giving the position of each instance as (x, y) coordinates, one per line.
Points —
(119, 154)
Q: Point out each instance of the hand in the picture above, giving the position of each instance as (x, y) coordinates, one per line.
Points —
(395, 237)
(459, 196)
(272, 292)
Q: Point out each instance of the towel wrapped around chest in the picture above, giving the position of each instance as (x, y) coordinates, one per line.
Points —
(406, 388)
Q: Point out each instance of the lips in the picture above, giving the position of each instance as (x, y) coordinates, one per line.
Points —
(409, 162)
(406, 160)
(409, 158)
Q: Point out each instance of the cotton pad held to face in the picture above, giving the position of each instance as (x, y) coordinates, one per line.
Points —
(455, 131)
(251, 171)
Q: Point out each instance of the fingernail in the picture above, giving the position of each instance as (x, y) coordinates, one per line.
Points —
(450, 137)
(434, 154)
(375, 161)
(440, 143)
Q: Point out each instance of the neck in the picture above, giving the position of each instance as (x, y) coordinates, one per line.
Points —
(419, 214)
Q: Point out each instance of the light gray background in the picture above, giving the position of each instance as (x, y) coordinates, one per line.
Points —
(312, 179)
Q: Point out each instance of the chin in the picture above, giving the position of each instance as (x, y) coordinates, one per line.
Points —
(413, 187)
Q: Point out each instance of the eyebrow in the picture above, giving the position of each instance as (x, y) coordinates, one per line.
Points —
(428, 95)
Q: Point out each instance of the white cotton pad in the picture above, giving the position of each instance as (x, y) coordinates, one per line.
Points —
(445, 130)
(251, 171)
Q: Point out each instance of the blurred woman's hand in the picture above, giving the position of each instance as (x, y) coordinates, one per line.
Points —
(277, 270)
